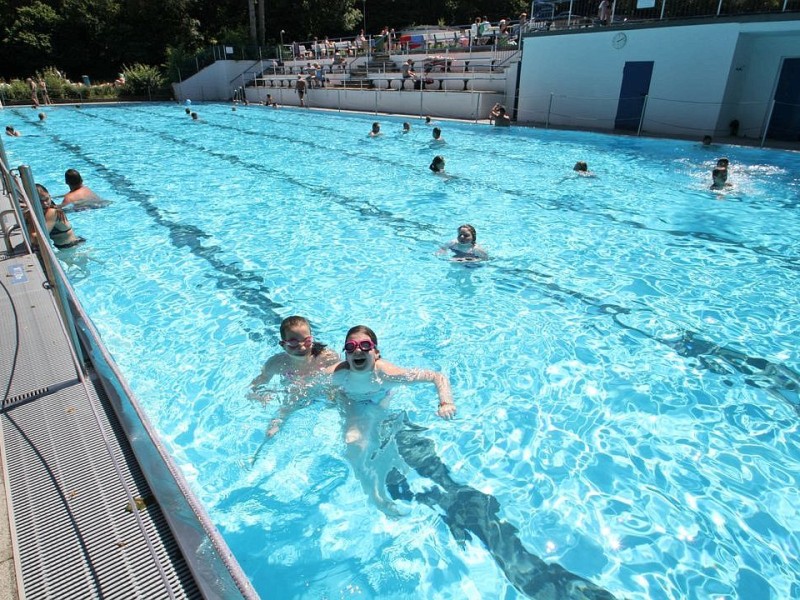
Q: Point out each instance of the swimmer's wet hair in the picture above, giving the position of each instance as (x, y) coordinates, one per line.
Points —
(72, 177)
(294, 321)
(437, 163)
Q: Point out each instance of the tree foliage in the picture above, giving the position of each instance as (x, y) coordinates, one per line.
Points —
(97, 37)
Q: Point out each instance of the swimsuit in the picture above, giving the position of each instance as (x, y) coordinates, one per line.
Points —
(74, 242)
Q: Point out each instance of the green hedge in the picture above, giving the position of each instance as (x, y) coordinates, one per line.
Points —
(141, 81)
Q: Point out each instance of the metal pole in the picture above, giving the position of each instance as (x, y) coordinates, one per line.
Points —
(549, 108)
(766, 125)
(11, 187)
(59, 289)
(641, 117)
(3, 155)
(663, 7)
(719, 7)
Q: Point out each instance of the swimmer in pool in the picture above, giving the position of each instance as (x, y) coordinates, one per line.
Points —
(437, 165)
(464, 247)
(297, 365)
(582, 169)
(406, 128)
(364, 381)
(437, 136)
(79, 195)
(719, 178)
(376, 130)
(56, 222)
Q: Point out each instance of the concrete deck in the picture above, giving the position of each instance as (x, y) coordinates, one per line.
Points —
(77, 516)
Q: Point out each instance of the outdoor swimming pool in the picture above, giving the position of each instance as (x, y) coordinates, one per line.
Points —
(625, 366)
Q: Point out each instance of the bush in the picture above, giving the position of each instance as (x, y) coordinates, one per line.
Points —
(142, 80)
(17, 91)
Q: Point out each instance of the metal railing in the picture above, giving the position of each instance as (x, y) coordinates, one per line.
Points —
(563, 14)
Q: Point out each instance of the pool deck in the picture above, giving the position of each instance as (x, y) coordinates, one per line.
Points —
(8, 577)
(77, 516)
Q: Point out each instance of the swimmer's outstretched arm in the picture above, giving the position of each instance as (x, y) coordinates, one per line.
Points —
(270, 369)
(447, 408)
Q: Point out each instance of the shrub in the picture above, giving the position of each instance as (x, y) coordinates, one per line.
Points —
(141, 80)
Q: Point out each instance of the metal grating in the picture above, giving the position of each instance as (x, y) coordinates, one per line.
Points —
(76, 534)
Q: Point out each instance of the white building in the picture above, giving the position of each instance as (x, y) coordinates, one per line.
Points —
(689, 79)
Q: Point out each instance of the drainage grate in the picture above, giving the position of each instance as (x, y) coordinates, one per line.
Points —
(76, 532)
(12, 401)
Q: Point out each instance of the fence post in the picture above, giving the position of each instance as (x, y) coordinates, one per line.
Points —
(641, 117)
(549, 108)
(719, 7)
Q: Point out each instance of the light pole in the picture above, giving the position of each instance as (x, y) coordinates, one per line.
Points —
(364, 14)
(280, 48)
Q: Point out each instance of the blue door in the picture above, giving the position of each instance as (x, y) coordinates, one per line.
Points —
(635, 86)
(785, 121)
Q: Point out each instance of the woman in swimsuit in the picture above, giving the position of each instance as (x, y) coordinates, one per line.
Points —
(56, 222)
(365, 380)
(301, 360)
(464, 247)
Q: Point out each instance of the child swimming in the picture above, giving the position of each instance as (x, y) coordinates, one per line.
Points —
(437, 165)
(464, 247)
(364, 381)
(300, 362)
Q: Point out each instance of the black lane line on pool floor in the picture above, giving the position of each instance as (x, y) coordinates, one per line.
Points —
(778, 380)
(567, 202)
(358, 205)
(759, 372)
(249, 287)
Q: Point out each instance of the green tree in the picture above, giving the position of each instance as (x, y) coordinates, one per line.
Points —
(27, 41)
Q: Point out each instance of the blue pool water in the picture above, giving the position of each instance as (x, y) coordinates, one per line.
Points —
(625, 366)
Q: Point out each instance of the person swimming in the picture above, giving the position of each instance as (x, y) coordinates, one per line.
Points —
(719, 178)
(437, 164)
(56, 222)
(301, 360)
(464, 247)
(80, 196)
(436, 133)
(363, 382)
(376, 130)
